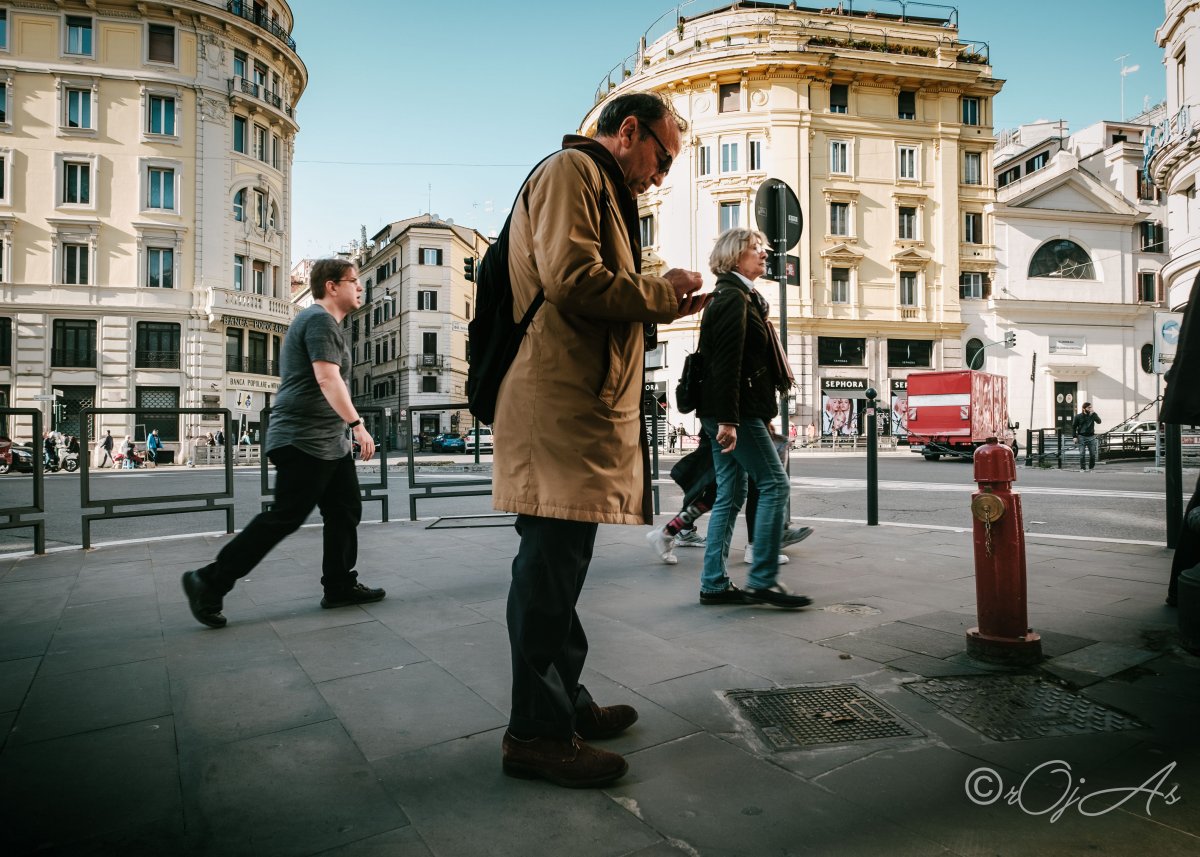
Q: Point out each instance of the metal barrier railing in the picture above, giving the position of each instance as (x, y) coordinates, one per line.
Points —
(366, 490)
(1053, 447)
(429, 490)
(110, 505)
(15, 515)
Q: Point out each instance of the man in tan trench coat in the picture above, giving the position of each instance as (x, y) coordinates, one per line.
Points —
(570, 450)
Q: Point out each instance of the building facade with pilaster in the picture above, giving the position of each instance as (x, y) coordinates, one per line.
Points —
(409, 341)
(881, 123)
(145, 209)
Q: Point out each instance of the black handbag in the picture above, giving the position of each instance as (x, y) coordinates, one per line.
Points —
(687, 391)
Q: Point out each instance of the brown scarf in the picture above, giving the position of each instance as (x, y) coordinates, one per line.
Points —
(783, 372)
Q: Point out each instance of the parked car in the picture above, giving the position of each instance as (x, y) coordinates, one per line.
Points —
(448, 443)
(485, 439)
(17, 459)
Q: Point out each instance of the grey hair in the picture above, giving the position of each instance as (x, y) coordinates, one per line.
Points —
(729, 247)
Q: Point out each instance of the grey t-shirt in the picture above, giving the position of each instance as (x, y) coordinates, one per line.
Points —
(300, 415)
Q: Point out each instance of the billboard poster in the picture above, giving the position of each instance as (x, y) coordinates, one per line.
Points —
(839, 417)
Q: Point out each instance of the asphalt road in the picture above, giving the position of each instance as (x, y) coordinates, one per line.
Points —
(1116, 501)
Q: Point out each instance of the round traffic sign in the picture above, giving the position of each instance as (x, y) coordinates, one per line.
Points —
(766, 212)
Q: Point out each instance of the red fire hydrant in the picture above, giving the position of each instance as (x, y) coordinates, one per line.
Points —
(1003, 635)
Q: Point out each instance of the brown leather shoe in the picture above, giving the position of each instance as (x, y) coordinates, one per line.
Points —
(571, 764)
(595, 721)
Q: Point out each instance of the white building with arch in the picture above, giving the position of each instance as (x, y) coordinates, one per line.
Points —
(1080, 246)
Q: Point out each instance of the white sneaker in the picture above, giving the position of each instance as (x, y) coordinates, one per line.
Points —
(689, 539)
(660, 543)
(748, 559)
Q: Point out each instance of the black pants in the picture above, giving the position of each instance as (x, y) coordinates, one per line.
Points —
(547, 641)
(1187, 548)
(302, 483)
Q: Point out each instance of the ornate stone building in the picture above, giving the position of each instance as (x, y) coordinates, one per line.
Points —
(1172, 147)
(882, 124)
(409, 340)
(145, 207)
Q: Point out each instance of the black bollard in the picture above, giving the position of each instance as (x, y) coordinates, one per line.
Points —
(872, 462)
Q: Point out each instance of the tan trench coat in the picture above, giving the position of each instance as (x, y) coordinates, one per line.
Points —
(568, 434)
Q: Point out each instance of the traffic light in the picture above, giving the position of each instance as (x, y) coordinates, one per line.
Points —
(469, 269)
(1010, 339)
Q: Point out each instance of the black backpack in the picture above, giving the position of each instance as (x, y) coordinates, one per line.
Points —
(494, 336)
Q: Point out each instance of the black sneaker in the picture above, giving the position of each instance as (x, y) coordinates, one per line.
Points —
(794, 537)
(777, 596)
(729, 595)
(357, 594)
(204, 603)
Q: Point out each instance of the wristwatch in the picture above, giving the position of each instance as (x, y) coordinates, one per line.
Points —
(356, 423)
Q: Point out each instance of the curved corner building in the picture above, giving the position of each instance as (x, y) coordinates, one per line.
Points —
(881, 122)
(145, 209)
(1172, 148)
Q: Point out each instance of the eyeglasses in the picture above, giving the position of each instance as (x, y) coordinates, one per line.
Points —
(348, 280)
(666, 158)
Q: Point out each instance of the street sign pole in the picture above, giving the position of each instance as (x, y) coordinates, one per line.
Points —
(781, 248)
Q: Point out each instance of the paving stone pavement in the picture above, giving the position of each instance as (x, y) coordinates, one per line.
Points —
(129, 729)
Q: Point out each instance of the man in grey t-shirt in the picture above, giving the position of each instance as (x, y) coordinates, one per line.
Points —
(309, 444)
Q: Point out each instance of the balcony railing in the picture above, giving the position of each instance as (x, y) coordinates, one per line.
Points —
(156, 359)
(251, 365)
(426, 361)
(258, 16)
(254, 90)
(73, 358)
(250, 304)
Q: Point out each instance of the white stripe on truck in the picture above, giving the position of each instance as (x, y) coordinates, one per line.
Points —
(939, 400)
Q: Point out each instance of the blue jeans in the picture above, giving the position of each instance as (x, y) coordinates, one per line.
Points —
(1088, 444)
(755, 455)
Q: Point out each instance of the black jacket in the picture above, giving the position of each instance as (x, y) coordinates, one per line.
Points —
(1181, 400)
(739, 360)
(1084, 425)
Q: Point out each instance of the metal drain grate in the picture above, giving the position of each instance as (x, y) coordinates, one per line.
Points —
(793, 718)
(1013, 708)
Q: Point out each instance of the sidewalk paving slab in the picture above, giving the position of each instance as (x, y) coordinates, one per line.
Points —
(128, 728)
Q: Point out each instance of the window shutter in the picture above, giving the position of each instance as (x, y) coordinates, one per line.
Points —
(161, 47)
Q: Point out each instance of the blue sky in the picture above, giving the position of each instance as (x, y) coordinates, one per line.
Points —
(416, 106)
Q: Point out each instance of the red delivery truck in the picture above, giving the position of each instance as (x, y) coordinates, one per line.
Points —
(955, 412)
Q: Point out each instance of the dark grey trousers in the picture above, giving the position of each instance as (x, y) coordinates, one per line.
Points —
(548, 644)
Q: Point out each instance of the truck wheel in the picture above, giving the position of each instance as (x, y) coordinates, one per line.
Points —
(932, 456)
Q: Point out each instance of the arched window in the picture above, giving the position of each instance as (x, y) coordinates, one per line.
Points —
(1148, 358)
(239, 205)
(1062, 259)
(974, 349)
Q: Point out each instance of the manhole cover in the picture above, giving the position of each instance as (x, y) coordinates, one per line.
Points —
(792, 718)
(1012, 708)
(851, 609)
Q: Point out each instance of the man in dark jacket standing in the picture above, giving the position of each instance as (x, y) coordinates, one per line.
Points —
(1084, 429)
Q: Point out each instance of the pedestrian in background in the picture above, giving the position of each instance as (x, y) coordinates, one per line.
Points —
(570, 449)
(309, 444)
(107, 446)
(744, 369)
(1084, 429)
(153, 445)
(127, 459)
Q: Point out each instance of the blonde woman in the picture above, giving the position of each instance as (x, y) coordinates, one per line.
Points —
(744, 371)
